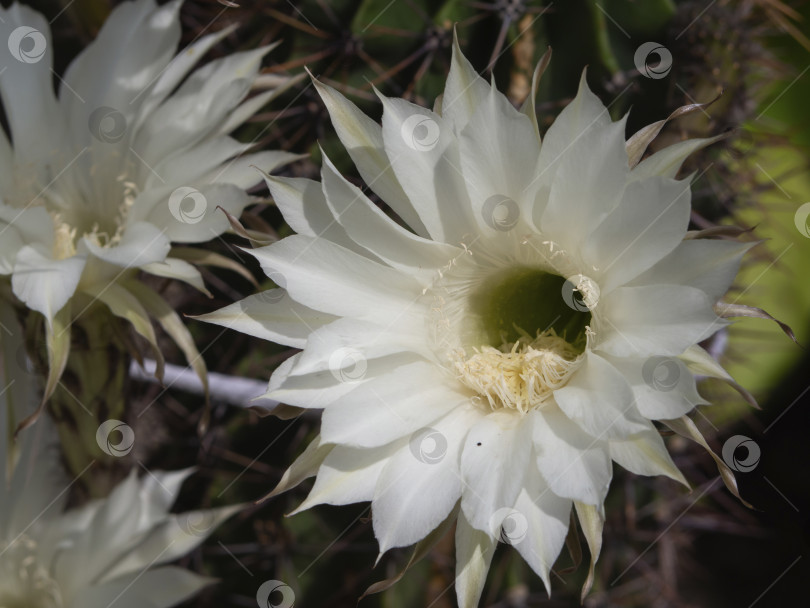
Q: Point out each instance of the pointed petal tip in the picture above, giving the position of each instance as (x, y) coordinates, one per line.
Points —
(583, 80)
(382, 97)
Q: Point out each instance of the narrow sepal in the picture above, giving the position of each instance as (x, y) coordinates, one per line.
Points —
(592, 521)
(686, 427)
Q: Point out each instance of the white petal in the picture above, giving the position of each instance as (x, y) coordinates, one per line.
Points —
(708, 265)
(649, 222)
(95, 597)
(332, 279)
(646, 454)
(347, 335)
(588, 184)
(33, 224)
(304, 207)
(368, 226)
(171, 539)
(592, 521)
(496, 457)
(390, 407)
(362, 138)
(127, 524)
(159, 490)
(246, 171)
(10, 244)
(464, 90)
(574, 464)
(134, 45)
(26, 86)
(18, 227)
(179, 67)
(186, 166)
(474, 551)
(174, 268)
(141, 244)
(498, 131)
(655, 320)
(199, 106)
(115, 521)
(159, 588)
(584, 118)
(304, 467)
(348, 475)
(664, 387)
(316, 390)
(667, 162)
(190, 214)
(271, 315)
(700, 362)
(421, 483)
(599, 400)
(70, 524)
(36, 485)
(250, 106)
(45, 284)
(424, 155)
(546, 518)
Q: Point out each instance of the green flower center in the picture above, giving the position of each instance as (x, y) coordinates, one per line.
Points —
(533, 329)
(530, 302)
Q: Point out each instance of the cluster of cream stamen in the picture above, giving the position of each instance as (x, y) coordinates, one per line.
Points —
(64, 238)
(521, 375)
(588, 289)
(23, 581)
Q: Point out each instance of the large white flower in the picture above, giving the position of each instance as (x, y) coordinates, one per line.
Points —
(133, 154)
(108, 552)
(544, 308)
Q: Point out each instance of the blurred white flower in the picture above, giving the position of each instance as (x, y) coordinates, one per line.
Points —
(133, 154)
(109, 552)
(544, 309)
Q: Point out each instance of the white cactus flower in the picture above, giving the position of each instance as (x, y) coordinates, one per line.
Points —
(132, 154)
(109, 552)
(491, 363)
